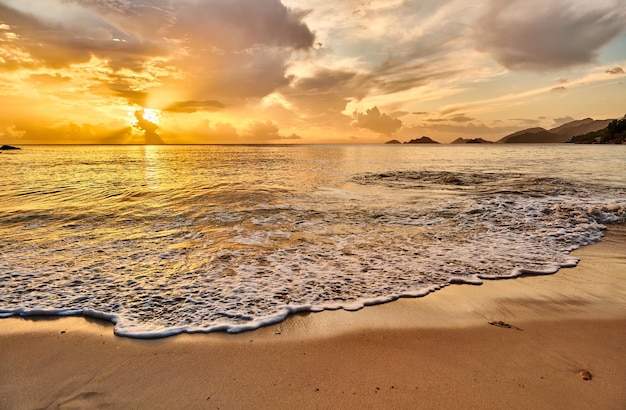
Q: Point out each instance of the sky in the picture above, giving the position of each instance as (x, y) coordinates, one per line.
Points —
(304, 71)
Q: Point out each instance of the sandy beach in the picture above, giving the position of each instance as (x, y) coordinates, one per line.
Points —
(439, 351)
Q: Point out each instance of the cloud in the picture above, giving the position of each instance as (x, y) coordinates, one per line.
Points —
(559, 89)
(615, 70)
(149, 128)
(562, 120)
(44, 38)
(527, 121)
(213, 133)
(265, 132)
(291, 137)
(456, 118)
(324, 91)
(539, 35)
(28, 132)
(48, 79)
(121, 89)
(213, 49)
(461, 118)
(194, 106)
(377, 122)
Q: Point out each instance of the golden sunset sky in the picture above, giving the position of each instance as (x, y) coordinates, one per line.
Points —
(304, 71)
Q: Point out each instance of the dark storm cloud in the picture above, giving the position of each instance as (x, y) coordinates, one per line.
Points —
(545, 35)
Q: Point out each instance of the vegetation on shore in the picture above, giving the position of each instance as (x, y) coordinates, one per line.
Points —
(614, 133)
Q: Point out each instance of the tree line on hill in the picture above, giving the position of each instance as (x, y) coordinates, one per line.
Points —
(614, 133)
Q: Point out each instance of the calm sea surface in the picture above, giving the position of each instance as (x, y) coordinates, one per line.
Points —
(170, 239)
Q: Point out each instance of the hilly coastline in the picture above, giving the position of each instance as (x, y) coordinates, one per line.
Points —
(559, 134)
(585, 131)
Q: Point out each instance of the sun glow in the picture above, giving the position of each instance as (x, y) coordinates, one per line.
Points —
(137, 115)
(152, 114)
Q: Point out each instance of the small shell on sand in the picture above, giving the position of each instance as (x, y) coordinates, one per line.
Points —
(585, 375)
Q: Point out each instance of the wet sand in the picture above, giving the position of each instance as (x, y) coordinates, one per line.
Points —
(434, 352)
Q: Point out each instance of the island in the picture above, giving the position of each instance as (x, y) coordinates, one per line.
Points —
(423, 140)
(471, 141)
(8, 148)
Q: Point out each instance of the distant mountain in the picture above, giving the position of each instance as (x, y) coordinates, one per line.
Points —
(423, 140)
(471, 141)
(533, 136)
(393, 142)
(580, 127)
(559, 134)
(613, 133)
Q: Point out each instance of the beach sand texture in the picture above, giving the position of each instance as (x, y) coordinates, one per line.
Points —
(434, 352)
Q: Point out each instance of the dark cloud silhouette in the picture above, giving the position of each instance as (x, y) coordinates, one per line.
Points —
(149, 128)
(376, 121)
(615, 70)
(559, 89)
(194, 106)
(544, 35)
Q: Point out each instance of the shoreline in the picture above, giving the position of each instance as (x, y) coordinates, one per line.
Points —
(436, 351)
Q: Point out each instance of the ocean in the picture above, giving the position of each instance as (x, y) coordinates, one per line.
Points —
(162, 240)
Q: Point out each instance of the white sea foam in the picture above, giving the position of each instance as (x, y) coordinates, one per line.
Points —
(235, 254)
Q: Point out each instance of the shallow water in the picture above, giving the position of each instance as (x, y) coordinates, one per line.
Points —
(170, 239)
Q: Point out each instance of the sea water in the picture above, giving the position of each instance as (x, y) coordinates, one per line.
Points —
(168, 239)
